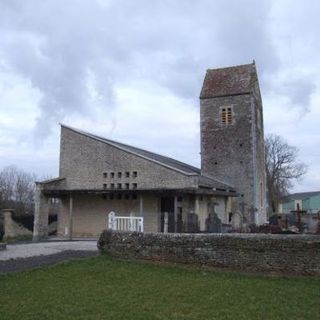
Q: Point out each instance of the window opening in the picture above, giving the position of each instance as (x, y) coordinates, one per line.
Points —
(226, 115)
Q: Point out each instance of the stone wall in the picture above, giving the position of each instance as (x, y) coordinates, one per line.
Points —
(284, 254)
(11, 228)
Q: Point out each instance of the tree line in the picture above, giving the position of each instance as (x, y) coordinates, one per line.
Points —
(17, 188)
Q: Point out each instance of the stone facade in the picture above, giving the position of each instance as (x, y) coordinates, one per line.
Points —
(283, 254)
(84, 161)
(233, 149)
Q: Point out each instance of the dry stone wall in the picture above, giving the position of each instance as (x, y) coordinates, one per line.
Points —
(283, 254)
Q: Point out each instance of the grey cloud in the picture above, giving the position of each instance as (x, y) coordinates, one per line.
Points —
(299, 91)
(169, 43)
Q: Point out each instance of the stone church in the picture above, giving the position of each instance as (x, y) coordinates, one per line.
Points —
(98, 176)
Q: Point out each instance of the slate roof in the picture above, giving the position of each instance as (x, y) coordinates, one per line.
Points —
(182, 167)
(228, 81)
(208, 182)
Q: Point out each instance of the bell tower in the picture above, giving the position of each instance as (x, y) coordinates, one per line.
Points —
(232, 139)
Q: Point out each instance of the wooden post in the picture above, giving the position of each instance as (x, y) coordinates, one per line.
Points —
(70, 216)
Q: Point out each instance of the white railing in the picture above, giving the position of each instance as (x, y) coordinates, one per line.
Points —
(125, 223)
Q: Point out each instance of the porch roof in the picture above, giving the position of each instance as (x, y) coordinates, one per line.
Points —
(200, 191)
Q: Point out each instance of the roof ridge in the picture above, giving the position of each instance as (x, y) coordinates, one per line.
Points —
(233, 67)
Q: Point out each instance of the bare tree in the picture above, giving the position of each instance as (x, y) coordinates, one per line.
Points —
(282, 168)
(16, 189)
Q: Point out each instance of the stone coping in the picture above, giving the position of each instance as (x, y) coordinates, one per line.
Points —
(306, 237)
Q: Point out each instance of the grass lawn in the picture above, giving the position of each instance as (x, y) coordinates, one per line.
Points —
(102, 288)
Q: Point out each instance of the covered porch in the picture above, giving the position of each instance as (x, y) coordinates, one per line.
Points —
(84, 213)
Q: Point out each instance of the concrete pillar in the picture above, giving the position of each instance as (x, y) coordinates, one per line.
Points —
(70, 217)
(196, 205)
(165, 225)
(141, 206)
(41, 214)
(175, 213)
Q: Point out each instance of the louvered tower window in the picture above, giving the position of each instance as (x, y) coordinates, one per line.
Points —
(226, 115)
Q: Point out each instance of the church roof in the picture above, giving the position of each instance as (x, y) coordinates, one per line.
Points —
(179, 166)
(228, 81)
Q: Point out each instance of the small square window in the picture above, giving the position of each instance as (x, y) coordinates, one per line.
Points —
(119, 186)
(104, 197)
(127, 186)
(119, 174)
(105, 174)
(134, 196)
(134, 186)
(215, 162)
(119, 196)
(111, 196)
(105, 186)
(111, 174)
(112, 185)
(127, 174)
(134, 174)
(127, 196)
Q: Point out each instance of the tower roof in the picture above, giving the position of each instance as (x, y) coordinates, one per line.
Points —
(228, 81)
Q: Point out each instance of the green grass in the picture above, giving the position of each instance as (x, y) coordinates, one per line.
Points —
(102, 288)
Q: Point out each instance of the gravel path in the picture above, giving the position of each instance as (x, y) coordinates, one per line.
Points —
(23, 264)
(20, 257)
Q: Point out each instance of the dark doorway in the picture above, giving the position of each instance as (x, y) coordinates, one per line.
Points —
(167, 205)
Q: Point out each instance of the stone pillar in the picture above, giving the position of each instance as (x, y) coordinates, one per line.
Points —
(41, 214)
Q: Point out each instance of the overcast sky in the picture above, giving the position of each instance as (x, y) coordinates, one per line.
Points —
(132, 71)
